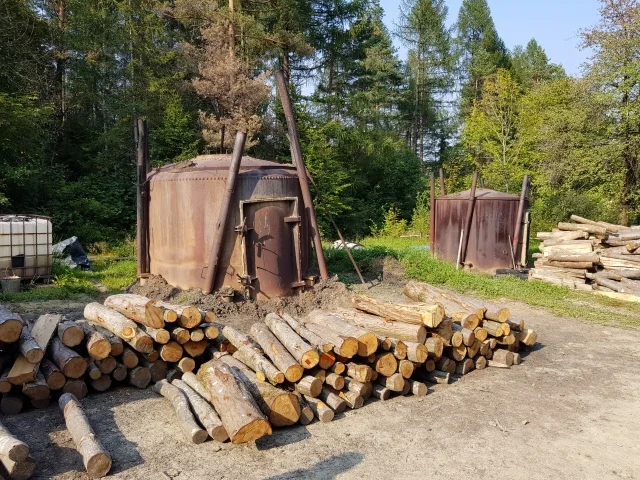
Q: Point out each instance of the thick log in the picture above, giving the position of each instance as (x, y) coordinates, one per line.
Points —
(481, 362)
(362, 373)
(180, 403)
(310, 386)
(430, 365)
(76, 387)
(278, 354)
(352, 399)
(117, 346)
(119, 373)
(319, 373)
(470, 322)
(113, 321)
(334, 381)
(195, 349)
(384, 343)
(459, 353)
(472, 350)
(171, 352)
(53, 376)
(380, 392)
(385, 364)
(12, 448)
(417, 352)
(137, 308)
(186, 364)
(315, 340)
(129, 358)
(420, 313)
(231, 398)
(321, 410)
(456, 339)
(405, 368)
(338, 368)
(503, 356)
(70, 333)
(528, 337)
(97, 461)
(481, 334)
(205, 413)
(141, 342)
(22, 470)
(180, 335)
(608, 226)
(29, 347)
(445, 364)
(97, 345)
(501, 316)
(493, 328)
(444, 332)
(506, 340)
(196, 335)
(188, 315)
(160, 313)
(302, 352)
(101, 384)
(337, 404)
(367, 341)
(68, 361)
(139, 377)
(597, 230)
(360, 388)
(10, 325)
(394, 382)
(22, 371)
(385, 328)
(465, 366)
(571, 283)
(106, 365)
(157, 369)
(159, 335)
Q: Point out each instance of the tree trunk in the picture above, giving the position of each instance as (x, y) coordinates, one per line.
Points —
(302, 352)
(180, 402)
(240, 415)
(113, 321)
(419, 314)
(137, 308)
(259, 364)
(280, 357)
(385, 364)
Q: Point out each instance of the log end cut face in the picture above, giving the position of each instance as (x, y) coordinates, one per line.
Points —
(252, 431)
(285, 411)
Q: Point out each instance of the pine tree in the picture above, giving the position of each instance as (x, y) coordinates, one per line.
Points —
(531, 66)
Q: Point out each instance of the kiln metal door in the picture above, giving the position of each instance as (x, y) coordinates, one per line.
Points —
(272, 247)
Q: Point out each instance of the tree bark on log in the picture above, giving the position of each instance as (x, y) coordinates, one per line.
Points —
(68, 361)
(101, 384)
(385, 328)
(137, 308)
(343, 345)
(10, 325)
(465, 366)
(203, 410)
(493, 328)
(117, 346)
(93, 372)
(97, 345)
(159, 335)
(97, 461)
(180, 335)
(141, 342)
(313, 339)
(240, 415)
(278, 354)
(481, 362)
(12, 448)
(321, 410)
(337, 404)
(306, 414)
(264, 369)
(596, 230)
(501, 316)
(380, 392)
(503, 356)
(70, 333)
(54, 377)
(302, 352)
(139, 377)
(29, 347)
(528, 337)
(419, 314)
(188, 315)
(352, 399)
(367, 341)
(180, 403)
(113, 321)
(385, 364)
(445, 364)
(394, 382)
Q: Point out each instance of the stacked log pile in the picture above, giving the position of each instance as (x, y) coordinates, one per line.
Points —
(592, 256)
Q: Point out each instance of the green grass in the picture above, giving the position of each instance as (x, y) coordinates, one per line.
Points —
(72, 283)
(420, 265)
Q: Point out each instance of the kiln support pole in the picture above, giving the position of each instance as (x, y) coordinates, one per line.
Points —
(142, 199)
(467, 228)
(518, 226)
(296, 154)
(216, 247)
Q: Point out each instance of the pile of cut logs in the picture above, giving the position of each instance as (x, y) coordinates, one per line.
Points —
(286, 371)
(130, 339)
(590, 255)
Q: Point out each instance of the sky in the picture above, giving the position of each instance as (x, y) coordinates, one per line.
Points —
(553, 23)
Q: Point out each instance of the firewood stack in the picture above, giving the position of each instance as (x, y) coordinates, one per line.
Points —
(128, 340)
(592, 256)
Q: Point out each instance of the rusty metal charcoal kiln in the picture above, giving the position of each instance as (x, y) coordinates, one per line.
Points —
(265, 247)
(481, 229)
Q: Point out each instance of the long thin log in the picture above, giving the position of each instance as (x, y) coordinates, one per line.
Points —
(597, 230)
(240, 415)
(419, 314)
(97, 461)
(278, 354)
(204, 411)
(68, 361)
(29, 347)
(343, 345)
(180, 402)
(304, 354)
(367, 341)
(136, 308)
(113, 321)
(386, 328)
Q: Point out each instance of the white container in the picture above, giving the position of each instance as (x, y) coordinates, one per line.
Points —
(28, 236)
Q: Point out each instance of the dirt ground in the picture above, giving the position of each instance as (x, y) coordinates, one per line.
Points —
(570, 411)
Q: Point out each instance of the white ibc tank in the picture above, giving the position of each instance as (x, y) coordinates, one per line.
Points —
(25, 246)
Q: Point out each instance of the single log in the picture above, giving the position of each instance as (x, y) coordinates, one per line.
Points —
(417, 352)
(238, 411)
(117, 346)
(314, 340)
(186, 364)
(517, 358)
(398, 348)
(334, 381)
(97, 345)
(211, 330)
(278, 354)
(481, 362)
(456, 339)
(444, 332)
(419, 389)
(445, 364)
(362, 373)
(70, 333)
(473, 350)
(53, 376)
(22, 470)
(137, 308)
(159, 335)
(470, 322)
(139, 377)
(419, 313)
(68, 361)
(159, 313)
(205, 413)
(113, 321)
(458, 353)
(326, 360)
(282, 408)
(180, 402)
(93, 371)
(343, 345)
(493, 328)
(405, 368)
(528, 337)
(362, 389)
(12, 448)
(580, 258)
(321, 410)
(101, 384)
(76, 387)
(188, 316)
(608, 226)
(367, 341)
(309, 386)
(319, 373)
(11, 403)
(337, 404)
(264, 369)
(195, 349)
(598, 230)
(562, 235)
(157, 369)
(575, 265)
(22, 371)
(141, 342)
(120, 372)
(501, 316)
(338, 368)
(465, 366)
(495, 364)
(106, 365)
(558, 272)
(152, 357)
(180, 335)
(10, 325)
(197, 335)
(302, 352)
(481, 334)
(394, 382)
(130, 359)
(29, 347)
(385, 328)
(380, 392)
(506, 329)
(503, 356)
(385, 364)
(352, 399)
(171, 352)
(430, 365)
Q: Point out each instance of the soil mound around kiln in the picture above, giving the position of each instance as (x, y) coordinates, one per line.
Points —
(326, 294)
